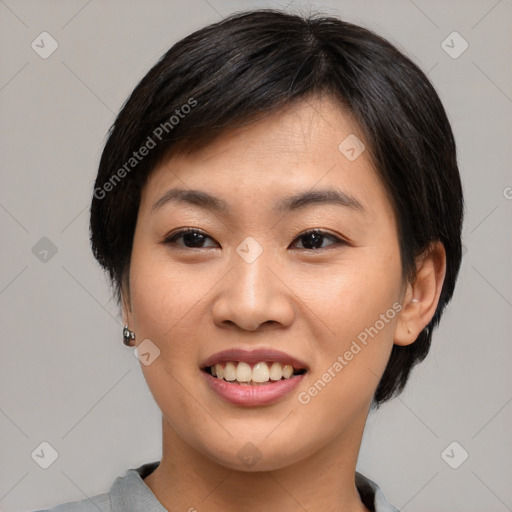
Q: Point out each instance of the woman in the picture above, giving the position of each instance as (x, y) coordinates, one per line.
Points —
(279, 209)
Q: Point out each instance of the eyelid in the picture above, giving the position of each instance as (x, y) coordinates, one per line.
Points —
(169, 239)
(338, 240)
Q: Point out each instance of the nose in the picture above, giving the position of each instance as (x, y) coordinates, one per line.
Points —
(253, 296)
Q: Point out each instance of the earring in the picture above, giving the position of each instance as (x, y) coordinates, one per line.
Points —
(128, 336)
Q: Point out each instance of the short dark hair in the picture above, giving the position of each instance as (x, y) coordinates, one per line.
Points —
(254, 63)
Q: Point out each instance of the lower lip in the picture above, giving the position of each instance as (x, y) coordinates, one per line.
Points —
(252, 396)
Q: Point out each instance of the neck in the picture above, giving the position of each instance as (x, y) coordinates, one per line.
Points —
(324, 481)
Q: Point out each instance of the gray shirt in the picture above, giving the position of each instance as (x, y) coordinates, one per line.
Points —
(129, 493)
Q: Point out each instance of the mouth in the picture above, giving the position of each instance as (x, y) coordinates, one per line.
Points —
(253, 378)
(258, 374)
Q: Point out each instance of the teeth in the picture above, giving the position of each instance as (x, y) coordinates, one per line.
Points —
(259, 373)
(229, 372)
(219, 371)
(287, 371)
(243, 372)
(276, 371)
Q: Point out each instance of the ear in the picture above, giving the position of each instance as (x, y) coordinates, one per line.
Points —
(421, 296)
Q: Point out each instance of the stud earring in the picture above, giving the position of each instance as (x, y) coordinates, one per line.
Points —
(415, 300)
(128, 336)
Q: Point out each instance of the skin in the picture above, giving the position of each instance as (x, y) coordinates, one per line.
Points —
(192, 302)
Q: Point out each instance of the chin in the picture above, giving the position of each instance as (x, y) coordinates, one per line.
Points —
(251, 456)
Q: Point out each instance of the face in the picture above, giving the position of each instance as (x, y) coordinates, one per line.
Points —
(314, 284)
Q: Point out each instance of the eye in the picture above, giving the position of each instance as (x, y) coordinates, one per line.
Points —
(192, 238)
(314, 238)
(195, 239)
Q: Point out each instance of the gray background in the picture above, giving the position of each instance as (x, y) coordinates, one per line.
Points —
(65, 376)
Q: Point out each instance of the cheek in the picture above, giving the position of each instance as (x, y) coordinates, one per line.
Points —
(359, 304)
(163, 300)
(161, 292)
(166, 309)
(352, 295)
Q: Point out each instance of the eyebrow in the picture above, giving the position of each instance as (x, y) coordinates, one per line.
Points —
(289, 203)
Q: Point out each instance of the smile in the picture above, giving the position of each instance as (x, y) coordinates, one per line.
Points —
(261, 376)
(240, 372)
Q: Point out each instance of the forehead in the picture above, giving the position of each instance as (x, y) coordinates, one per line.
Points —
(313, 144)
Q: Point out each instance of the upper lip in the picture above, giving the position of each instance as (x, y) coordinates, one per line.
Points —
(254, 356)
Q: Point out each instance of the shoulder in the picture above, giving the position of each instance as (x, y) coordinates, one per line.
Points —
(101, 502)
(127, 493)
(372, 495)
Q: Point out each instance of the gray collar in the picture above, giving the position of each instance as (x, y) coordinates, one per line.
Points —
(131, 494)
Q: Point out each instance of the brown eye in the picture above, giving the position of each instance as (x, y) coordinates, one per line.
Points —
(314, 239)
(195, 239)
(192, 239)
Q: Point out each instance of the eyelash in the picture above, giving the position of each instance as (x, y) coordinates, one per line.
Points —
(171, 239)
